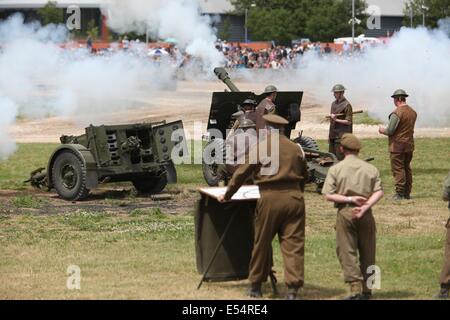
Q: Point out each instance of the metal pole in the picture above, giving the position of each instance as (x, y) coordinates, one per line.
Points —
(246, 13)
(423, 17)
(353, 25)
(411, 14)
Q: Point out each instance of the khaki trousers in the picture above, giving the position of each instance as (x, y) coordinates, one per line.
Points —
(445, 274)
(353, 237)
(401, 170)
(334, 148)
(283, 213)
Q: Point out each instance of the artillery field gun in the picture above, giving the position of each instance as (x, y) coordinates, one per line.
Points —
(140, 153)
(225, 104)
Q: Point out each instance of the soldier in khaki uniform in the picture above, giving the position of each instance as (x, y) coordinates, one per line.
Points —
(354, 186)
(237, 145)
(341, 120)
(280, 210)
(445, 274)
(266, 106)
(400, 131)
(246, 112)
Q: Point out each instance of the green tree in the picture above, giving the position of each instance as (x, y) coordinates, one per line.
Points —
(92, 30)
(224, 31)
(50, 13)
(283, 20)
(436, 10)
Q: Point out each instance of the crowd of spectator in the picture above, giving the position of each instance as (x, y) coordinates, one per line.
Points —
(277, 57)
(236, 55)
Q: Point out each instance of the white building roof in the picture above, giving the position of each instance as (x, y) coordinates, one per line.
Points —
(389, 8)
(207, 6)
(216, 6)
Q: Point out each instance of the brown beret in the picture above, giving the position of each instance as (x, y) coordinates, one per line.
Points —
(274, 119)
(350, 142)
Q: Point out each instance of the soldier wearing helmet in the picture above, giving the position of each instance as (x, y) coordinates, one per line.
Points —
(237, 144)
(400, 131)
(341, 120)
(266, 106)
(247, 111)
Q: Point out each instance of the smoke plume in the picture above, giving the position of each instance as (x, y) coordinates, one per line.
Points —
(39, 78)
(416, 60)
(180, 19)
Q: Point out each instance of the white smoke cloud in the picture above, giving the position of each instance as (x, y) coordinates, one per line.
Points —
(179, 19)
(38, 78)
(444, 25)
(9, 113)
(416, 60)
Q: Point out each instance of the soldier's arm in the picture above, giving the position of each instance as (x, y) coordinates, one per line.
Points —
(329, 190)
(235, 125)
(348, 116)
(394, 120)
(243, 172)
(304, 172)
(272, 110)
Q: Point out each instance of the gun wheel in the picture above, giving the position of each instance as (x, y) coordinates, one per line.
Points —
(211, 171)
(307, 142)
(69, 176)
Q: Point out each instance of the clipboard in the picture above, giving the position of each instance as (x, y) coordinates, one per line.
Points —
(245, 193)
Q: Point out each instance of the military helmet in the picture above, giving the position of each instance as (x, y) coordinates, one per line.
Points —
(249, 102)
(246, 123)
(399, 93)
(270, 89)
(237, 115)
(275, 119)
(338, 88)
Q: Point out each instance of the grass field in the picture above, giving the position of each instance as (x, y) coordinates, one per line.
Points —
(150, 254)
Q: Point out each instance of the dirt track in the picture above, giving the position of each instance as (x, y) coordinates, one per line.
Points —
(190, 103)
(111, 199)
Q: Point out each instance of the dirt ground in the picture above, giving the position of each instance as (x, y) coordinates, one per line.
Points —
(110, 199)
(190, 102)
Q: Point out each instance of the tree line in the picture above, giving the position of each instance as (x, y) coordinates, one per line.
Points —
(324, 20)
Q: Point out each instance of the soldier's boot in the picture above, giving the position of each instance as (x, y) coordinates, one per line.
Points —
(398, 197)
(355, 291)
(366, 295)
(292, 293)
(444, 292)
(254, 291)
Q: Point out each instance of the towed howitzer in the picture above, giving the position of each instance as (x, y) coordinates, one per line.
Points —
(225, 104)
(141, 153)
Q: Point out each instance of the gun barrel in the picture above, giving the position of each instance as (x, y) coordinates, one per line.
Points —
(222, 74)
(341, 114)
